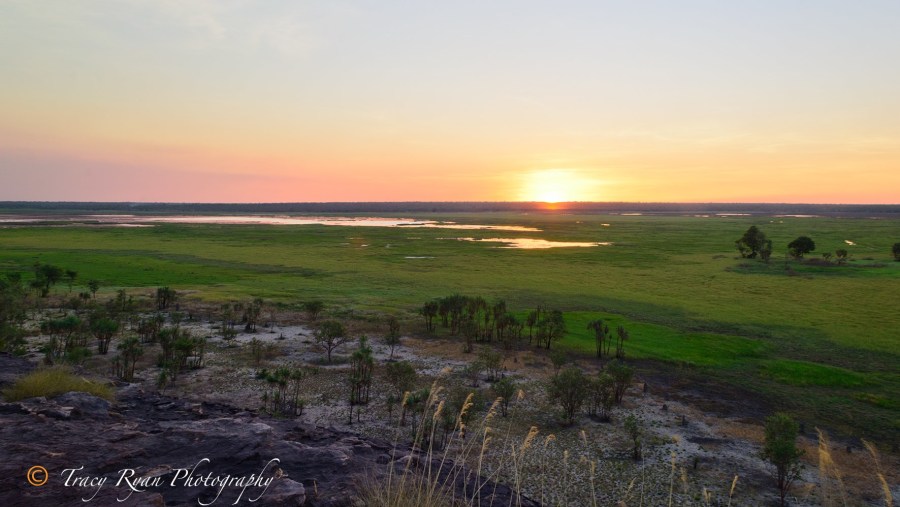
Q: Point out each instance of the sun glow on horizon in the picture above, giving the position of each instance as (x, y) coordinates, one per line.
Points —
(558, 185)
(599, 101)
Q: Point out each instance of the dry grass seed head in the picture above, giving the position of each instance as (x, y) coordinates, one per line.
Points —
(550, 438)
(529, 438)
(438, 411)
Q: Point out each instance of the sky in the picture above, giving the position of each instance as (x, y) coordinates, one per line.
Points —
(289, 101)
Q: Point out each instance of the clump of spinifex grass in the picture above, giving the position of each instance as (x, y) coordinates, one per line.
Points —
(49, 382)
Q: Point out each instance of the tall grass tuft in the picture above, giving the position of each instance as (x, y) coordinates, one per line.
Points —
(458, 468)
(879, 473)
(829, 473)
(53, 381)
(731, 491)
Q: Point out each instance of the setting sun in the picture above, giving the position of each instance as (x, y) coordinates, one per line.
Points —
(558, 185)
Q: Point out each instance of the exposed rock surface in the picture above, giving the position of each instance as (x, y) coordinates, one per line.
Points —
(157, 435)
(12, 368)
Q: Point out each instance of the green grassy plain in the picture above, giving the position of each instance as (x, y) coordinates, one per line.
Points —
(820, 340)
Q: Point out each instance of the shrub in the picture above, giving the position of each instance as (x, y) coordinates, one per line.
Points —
(601, 396)
(569, 389)
(505, 389)
(492, 361)
(559, 359)
(621, 375)
(635, 429)
(49, 382)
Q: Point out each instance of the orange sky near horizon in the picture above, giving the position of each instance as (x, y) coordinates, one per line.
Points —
(198, 101)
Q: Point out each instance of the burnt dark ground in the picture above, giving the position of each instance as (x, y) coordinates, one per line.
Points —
(154, 434)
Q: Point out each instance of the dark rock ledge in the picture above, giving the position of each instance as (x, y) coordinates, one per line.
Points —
(155, 434)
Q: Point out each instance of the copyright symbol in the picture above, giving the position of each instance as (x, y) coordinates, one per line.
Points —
(37, 475)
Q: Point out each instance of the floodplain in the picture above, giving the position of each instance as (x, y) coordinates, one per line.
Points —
(816, 338)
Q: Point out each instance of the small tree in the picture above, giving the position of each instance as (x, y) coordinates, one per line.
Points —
(601, 334)
(473, 371)
(842, 255)
(66, 335)
(470, 333)
(801, 246)
(782, 452)
(559, 359)
(765, 253)
(896, 251)
(360, 376)
(551, 327)
(569, 389)
(751, 243)
(505, 389)
(392, 338)
(621, 375)
(492, 361)
(94, 286)
(402, 376)
(12, 313)
(46, 276)
(531, 320)
(70, 278)
(282, 398)
(331, 335)
(634, 428)
(130, 350)
(104, 329)
(512, 331)
(228, 321)
(429, 311)
(602, 395)
(313, 309)
(165, 296)
(251, 315)
(257, 351)
(622, 336)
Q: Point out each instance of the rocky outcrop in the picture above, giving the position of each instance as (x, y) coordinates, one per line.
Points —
(11, 368)
(177, 452)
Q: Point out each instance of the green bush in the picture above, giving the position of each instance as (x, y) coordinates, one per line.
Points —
(49, 382)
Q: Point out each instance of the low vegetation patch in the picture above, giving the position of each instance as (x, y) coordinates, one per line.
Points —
(878, 400)
(801, 373)
(49, 382)
(653, 341)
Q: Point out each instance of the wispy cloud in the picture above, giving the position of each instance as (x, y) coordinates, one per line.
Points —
(287, 28)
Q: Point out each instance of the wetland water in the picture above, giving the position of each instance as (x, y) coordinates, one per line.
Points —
(149, 221)
(535, 243)
(125, 220)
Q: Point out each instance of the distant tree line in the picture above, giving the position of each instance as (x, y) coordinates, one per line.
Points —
(386, 207)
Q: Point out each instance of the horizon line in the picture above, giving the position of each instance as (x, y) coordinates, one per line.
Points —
(551, 203)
